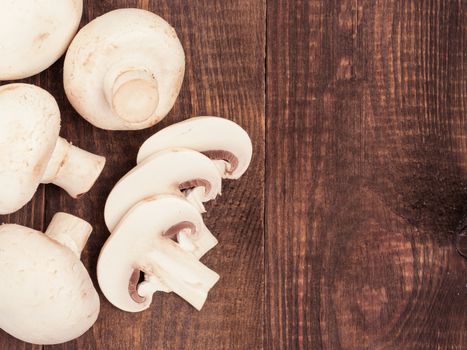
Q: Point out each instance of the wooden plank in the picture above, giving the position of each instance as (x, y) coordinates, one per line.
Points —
(365, 174)
(224, 46)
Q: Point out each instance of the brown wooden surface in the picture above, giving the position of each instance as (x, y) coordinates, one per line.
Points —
(369, 181)
(341, 234)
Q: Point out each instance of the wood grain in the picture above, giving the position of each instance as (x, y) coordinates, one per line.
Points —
(367, 184)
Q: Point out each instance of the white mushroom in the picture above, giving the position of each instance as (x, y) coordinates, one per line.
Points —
(143, 242)
(222, 140)
(31, 151)
(168, 172)
(124, 70)
(46, 294)
(34, 34)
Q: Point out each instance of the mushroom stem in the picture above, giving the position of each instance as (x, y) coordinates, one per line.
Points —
(150, 285)
(195, 197)
(70, 231)
(133, 94)
(181, 272)
(221, 165)
(72, 168)
(204, 243)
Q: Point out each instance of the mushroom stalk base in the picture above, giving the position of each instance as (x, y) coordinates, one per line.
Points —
(72, 168)
(199, 247)
(221, 165)
(195, 197)
(132, 94)
(70, 231)
(180, 271)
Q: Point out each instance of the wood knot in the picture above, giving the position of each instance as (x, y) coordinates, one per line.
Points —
(372, 301)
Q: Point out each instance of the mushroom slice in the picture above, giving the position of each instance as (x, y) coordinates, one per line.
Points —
(124, 70)
(175, 171)
(46, 296)
(222, 140)
(142, 242)
(34, 34)
(31, 151)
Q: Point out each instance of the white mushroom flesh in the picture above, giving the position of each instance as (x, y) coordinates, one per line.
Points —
(70, 231)
(31, 151)
(73, 169)
(143, 242)
(34, 34)
(29, 127)
(47, 296)
(222, 140)
(124, 70)
(168, 172)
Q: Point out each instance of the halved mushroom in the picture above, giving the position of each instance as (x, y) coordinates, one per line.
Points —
(222, 140)
(34, 34)
(143, 242)
(31, 151)
(46, 294)
(168, 172)
(124, 70)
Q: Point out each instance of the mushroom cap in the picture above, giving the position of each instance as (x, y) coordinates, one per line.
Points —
(47, 296)
(29, 128)
(118, 40)
(218, 138)
(34, 34)
(136, 236)
(165, 172)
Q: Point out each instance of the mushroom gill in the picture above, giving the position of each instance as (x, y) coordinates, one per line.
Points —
(227, 156)
(188, 185)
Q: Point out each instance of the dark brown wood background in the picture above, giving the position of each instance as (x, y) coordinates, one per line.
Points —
(341, 234)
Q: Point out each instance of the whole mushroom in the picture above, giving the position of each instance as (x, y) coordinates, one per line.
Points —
(222, 140)
(162, 237)
(46, 294)
(124, 70)
(31, 152)
(174, 171)
(34, 34)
